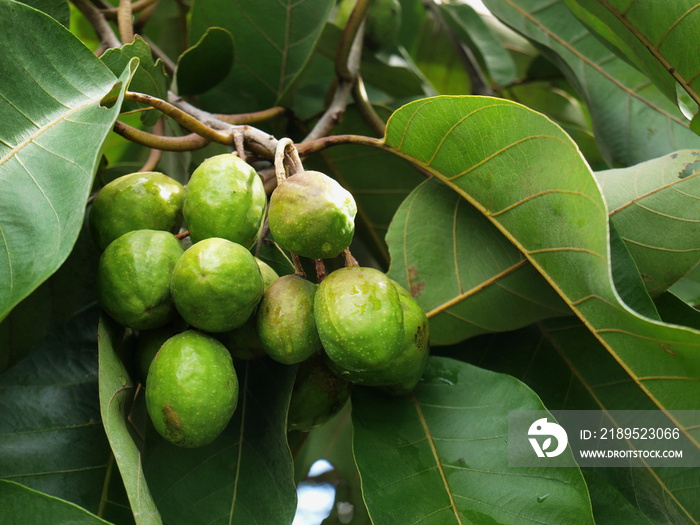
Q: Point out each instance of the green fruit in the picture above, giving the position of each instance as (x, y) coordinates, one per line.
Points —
(312, 215)
(133, 278)
(383, 24)
(140, 201)
(359, 318)
(192, 389)
(286, 326)
(146, 344)
(216, 285)
(225, 198)
(318, 395)
(243, 342)
(403, 373)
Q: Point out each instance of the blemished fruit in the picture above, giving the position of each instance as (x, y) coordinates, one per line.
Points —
(133, 278)
(403, 373)
(312, 215)
(139, 201)
(318, 395)
(192, 389)
(286, 326)
(216, 285)
(359, 318)
(225, 198)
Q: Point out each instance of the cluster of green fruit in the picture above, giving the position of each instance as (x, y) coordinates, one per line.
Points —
(193, 309)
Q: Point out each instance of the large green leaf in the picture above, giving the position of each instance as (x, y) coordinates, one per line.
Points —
(20, 504)
(632, 119)
(654, 207)
(246, 475)
(659, 38)
(440, 456)
(68, 291)
(569, 369)
(117, 391)
(50, 430)
(206, 63)
(274, 41)
(50, 140)
(529, 180)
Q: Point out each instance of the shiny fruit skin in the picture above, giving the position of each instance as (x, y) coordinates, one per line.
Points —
(312, 215)
(138, 201)
(359, 318)
(216, 285)
(133, 278)
(285, 320)
(318, 395)
(225, 198)
(192, 389)
(403, 373)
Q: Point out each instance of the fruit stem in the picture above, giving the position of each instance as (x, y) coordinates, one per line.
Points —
(253, 117)
(182, 235)
(189, 142)
(320, 270)
(286, 149)
(298, 268)
(350, 261)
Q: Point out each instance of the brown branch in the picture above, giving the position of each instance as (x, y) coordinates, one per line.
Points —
(353, 28)
(111, 13)
(253, 117)
(98, 21)
(125, 21)
(364, 106)
(186, 143)
(314, 146)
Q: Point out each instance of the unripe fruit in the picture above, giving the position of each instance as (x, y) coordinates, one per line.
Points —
(318, 395)
(383, 24)
(146, 344)
(139, 201)
(359, 318)
(243, 342)
(225, 198)
(133, 278)
(312, 215)
(403, 373)
(192, 389)
(286, 325)
(216, 285)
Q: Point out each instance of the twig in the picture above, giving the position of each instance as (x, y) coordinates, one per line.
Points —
(185, 143)
(252, 118)
(298, 268)
(125, 21)
(314, 146)
(98, 21)
(349, 259)
(364, 106)
(353, 27)
(155, 155)
(320, 270)
(336, 109)
(111, 13)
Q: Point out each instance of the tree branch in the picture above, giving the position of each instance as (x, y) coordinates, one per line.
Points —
(98, 21)
(353, 27)
(186, 143)
(364, 106)
(125, 21)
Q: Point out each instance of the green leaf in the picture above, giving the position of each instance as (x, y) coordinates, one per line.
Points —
(444, 449)
(653, 206)
(50, 417)
(462, 271)
(473, 31)
(57, 9)
(246, 475)
(653, 36)
(67, 292)
(53, 129)
(570, 370)
(688, 288)
(633, 121)
(274, 41)
(19, 502)
(116, 394)
(205, 64)
(529, 180)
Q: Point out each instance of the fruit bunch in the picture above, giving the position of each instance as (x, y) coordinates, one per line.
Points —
(193, 311)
